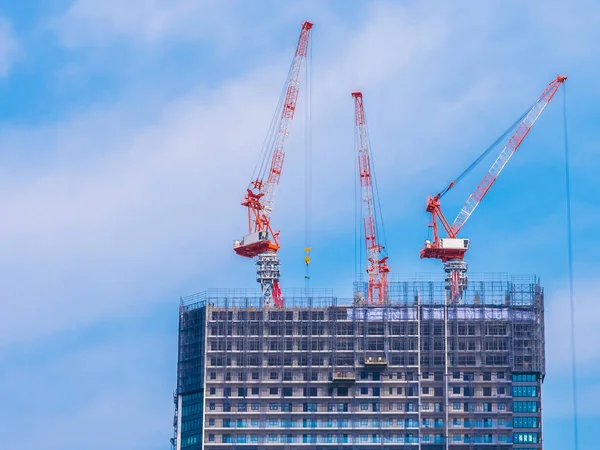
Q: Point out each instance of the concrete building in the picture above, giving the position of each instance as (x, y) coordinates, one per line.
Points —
(327, 373)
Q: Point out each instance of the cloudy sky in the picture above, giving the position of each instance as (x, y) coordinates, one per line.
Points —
(128, 133)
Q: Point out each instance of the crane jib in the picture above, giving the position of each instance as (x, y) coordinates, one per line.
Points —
(506, 154)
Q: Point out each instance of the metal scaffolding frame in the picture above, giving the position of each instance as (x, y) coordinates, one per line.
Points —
(419, 358)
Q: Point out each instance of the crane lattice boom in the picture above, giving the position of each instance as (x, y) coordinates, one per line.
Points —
(507, 152)
(261, 241)
(377, 265)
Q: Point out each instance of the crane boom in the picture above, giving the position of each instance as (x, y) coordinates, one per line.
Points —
(377, 265)
(261, 241)
(451, 250)
(287, 114)
(509, 150)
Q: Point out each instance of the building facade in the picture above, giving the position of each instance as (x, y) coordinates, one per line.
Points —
(327, 373)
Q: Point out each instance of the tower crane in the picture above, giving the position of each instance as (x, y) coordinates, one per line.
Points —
(261, 241)
(451, 249)
(377, 260)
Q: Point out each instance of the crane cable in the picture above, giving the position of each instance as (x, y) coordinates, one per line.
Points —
(307, 167)
(486, 152)
(570, 259)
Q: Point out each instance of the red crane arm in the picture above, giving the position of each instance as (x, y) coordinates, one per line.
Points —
(259, 198)
(377, 265)
(287, 114)
(511, 147)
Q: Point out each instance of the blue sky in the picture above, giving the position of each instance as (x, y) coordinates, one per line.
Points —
(128, 132)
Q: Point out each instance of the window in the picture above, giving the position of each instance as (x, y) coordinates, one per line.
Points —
(525, 422)
(255, 375)
(524, 391)
(273, 391)
(211, 438)
(254, 391)
(456, 390)
(525, 407)
(376, 392)
(425, 406)
(525, 438)
(524, 377)
(241, 406)
(273, 406)
(211, 406)
(487, 376)
(273, 376)
(487, 391)
(213, 376)
(364, 375)
(254, 423)
(501, 390)
(364, 391)
(500, 375)
(213, 391)
(242, 392)
(425, 389)
(364, 406)
(456, 375)
(456, 406)
(287, 391)
(211, 422)
(254, 406)
(287, 376)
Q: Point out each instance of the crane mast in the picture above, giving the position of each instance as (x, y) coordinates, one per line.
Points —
(261, 241)
(377, 264)
(451, 250)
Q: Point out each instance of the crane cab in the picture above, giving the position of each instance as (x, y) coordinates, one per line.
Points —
(454, 244)
(253, 244)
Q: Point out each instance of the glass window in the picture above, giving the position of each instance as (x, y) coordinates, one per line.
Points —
(524, 391)
(525, 438)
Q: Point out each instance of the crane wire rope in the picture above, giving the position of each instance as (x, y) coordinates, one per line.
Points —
(570, 261)
(486, 152)
(378, 211)
(307, 166)
(358, 230)
(268, 147)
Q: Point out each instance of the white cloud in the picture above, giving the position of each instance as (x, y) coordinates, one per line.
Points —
(99, 22)
(8, 46)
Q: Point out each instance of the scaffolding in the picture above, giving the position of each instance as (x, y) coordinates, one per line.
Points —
(420, 372)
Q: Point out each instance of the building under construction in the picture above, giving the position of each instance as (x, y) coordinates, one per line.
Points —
(421, 372)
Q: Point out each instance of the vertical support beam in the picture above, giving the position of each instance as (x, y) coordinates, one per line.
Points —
(419, 366)
(446, 375)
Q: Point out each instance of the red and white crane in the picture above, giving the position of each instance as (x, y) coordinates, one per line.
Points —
(377, 260)
(261, 241)
(451, 249)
